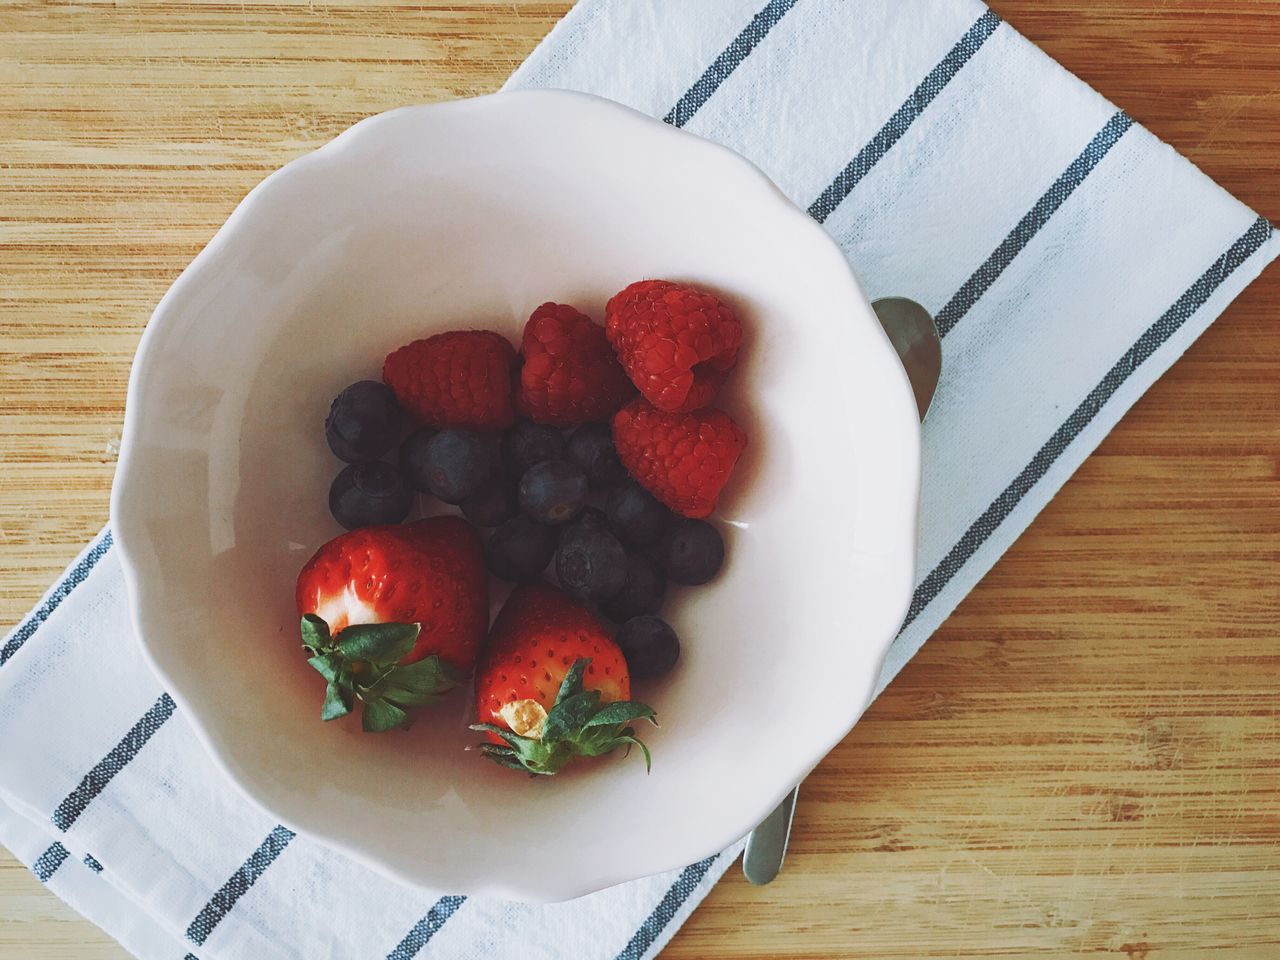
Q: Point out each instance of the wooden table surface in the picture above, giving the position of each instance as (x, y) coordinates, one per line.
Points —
(1084, 760)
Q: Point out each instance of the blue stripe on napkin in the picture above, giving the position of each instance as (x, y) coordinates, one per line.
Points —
(1160, 331)
(657, 921)
(727, 62)
(213, 912)
(69, 582)
(96, 779)
(426, 928)
(1030, 225)
(904, 116)
(48, 862)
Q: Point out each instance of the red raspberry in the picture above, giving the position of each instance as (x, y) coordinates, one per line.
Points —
(683, 459)
(456, 379)
(677, 344)
(570, 374)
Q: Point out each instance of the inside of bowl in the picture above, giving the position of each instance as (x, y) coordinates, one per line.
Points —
(450, 217)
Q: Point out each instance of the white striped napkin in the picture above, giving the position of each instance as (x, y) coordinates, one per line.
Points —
(1069, 256)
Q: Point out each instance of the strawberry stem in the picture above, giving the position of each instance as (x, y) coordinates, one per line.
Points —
(363, 662)
(577, 725)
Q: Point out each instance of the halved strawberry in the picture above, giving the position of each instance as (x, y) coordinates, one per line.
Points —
(394, 615)
(553, 685)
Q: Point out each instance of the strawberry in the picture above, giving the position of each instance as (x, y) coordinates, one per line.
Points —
(553, 685)
(394, 615)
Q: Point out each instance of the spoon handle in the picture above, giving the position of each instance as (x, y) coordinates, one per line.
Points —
(915, 336)
(767, 845)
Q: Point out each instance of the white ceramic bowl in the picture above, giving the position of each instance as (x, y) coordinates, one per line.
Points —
(471, 214)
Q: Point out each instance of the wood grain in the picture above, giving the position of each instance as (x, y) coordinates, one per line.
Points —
(1084, 761)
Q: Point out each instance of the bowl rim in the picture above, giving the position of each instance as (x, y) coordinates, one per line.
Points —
(543, 889)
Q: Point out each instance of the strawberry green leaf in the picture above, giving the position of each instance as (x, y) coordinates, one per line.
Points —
(417, 683)
(510, 736)
(577, 726)
(572, 682)
(648, 757)
(570, 715)
(620, 712)
(599, 741)
(378, 642)
(379, 716)
(364, 663)
(337, 702)
(315, 634)
(546, 759)
(431, 669)
(504, 756)
(327, 665)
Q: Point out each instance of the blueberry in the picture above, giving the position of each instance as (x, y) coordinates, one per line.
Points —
(590, 517)
(693, 552)
(591, 448)
(636, 516)
(413, 456)
(454, 464)
(369, 494)
(528, 444)
(364, 422)
(650, 646)
(520, 550)
(591, 564)
(495, 504)
(642, 592)
(553, 492)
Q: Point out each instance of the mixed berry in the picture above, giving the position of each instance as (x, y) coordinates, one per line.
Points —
(584, 468)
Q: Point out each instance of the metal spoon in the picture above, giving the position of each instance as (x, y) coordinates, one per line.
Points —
(914, 335)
